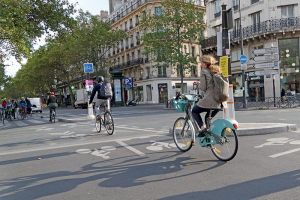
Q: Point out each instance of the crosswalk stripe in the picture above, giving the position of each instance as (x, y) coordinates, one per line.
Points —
(19, 123)
(35, 121)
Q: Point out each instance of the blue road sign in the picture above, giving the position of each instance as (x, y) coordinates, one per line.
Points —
(65, 93)
(88, 68)
(243, 59)
(128, 83)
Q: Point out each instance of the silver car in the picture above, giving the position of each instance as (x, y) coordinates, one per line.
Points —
(36, 104)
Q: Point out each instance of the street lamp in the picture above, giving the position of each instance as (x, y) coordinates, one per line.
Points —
(242, 53)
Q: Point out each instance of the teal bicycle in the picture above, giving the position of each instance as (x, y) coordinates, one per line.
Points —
(220, 137)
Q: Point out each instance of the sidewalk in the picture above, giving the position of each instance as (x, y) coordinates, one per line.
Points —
(260, 128)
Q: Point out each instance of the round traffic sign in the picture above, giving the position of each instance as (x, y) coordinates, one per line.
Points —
(243, 59)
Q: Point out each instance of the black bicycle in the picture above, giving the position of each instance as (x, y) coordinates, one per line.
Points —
(107, 121)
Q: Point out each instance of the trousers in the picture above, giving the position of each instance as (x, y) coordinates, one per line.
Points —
(196, 114)
(100, 102)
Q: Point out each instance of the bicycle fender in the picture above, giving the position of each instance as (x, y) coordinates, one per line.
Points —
(217, 126)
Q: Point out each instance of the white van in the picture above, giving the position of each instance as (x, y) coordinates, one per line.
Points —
(36, 104)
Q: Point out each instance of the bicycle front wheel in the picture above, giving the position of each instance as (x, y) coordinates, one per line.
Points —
(53, 117)
(109, 123)
(183, 134)
(98, 125)
(229, 147)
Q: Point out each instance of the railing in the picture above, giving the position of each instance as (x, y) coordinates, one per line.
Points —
(259, 28)
(136, 23)
(130, 27)
(218, 14)
(132, 44)
(161, 75)
(254, 1)
(235, 7)
(266, 103)
(137, 42)
(146, 60)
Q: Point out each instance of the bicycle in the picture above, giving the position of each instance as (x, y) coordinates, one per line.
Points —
(107, 122)
(2, 115)
(21, 114)
(52, 116)
(9, 114)
(220, 134)
(29, 114)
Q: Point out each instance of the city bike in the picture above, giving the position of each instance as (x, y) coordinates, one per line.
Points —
(21, 114)
(52, 116)
(106, 121)
(9, 114)
(220, 137)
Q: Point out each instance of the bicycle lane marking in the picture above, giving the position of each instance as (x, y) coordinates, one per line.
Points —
(130, 148)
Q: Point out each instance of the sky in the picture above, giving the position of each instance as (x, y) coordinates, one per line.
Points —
(93, 6)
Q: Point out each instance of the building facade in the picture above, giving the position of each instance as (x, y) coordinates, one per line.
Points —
(151, 84)
(265, 23)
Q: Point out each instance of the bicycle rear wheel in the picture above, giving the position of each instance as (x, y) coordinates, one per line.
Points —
(228, 149)
(53, 117)
(109, 123)
(183, 134)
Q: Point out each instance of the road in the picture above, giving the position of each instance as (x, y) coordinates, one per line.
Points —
(140, 161)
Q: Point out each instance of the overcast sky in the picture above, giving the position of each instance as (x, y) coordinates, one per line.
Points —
(93, 6)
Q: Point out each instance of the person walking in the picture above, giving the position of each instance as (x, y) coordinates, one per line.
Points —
(207, 86)
(15, 106)
(282, 94)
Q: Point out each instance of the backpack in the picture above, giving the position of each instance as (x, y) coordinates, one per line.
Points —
(105, 91)
(221, 87)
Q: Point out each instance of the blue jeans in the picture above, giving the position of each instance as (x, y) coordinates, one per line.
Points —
(196, 114)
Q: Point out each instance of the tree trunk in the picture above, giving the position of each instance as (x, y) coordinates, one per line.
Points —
(181, 73)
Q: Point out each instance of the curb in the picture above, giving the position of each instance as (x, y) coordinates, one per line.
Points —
(264, 129)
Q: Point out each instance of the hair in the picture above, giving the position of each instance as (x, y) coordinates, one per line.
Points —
(211, 64)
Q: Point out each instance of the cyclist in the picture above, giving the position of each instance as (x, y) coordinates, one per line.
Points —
(15, 106)
(8, 107)
(206, 85)
(28, 105)
(100, 101)
(52, 103)
(23, 105)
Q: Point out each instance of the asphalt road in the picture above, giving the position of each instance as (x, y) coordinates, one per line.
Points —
(40, 160)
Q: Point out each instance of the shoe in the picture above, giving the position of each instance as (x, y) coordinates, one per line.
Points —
(109, 127)
(99, 117)
(202, 133)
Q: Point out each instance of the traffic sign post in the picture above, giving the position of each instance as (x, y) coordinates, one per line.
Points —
(267, 50)
(266, 72)
(243, 59)
(267, 58)
(88, 68)
(266, 65)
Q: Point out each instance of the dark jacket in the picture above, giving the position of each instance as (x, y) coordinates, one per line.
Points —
(52, 99)
(96, 89)
(282, 92)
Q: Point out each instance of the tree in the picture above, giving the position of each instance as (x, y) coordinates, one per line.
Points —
(174, 24)
(23, 21)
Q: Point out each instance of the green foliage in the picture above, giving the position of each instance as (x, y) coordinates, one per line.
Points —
(176, 23)
(23, 21)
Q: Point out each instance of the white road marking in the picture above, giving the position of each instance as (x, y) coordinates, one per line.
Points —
(73, 145)
(83, 151)
(284, 153)
(19, 123)
(122, 126)
(130, 148)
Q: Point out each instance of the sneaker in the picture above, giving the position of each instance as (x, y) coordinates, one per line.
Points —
(109, 127)
(202, 133)
(98, 117)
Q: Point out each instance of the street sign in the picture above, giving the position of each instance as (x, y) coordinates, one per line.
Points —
(243, 66)
(243, 59)
(89, 85)
(65, 93)
(267, 50)
(267, 57)
(265, 65)
(88, 68)
(265, 72)
(224, 65)
(128, 84)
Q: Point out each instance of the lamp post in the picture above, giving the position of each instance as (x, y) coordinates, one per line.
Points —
(242, 53)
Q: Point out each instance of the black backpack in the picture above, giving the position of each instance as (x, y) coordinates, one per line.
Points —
(105, 91)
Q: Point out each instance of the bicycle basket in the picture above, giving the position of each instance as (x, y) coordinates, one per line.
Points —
(180, 105)
(9, 109)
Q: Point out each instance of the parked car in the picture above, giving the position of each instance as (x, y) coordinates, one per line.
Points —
(36, 104)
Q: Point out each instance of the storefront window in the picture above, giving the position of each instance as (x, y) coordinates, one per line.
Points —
(149, 92)
(289, 65)
(178, 88)
(163, 92)
(138, 91)
(256, 86)
(238, 85)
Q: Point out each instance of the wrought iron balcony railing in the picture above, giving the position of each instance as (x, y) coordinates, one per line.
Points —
(254, 1)
(259, 28)
(218, 14)
(161, 75)
(138, 42)
(132, 44)
(236, 7)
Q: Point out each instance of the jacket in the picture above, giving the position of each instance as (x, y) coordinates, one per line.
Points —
(207, 86)
(4, 104)
(96, 89)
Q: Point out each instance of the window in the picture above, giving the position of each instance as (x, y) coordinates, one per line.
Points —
(136, 20)
(237, 29)
(126, 43)
(123, 59)
(193, 52)
(137, 36)
(134, 74)
(131, 40)
(199, 2)
(125, 26)
(119, 61)
(128, 58)
(148, 71)
(256, 22)
(162, 71)
(217, 6)
(158, 11)
(130, 23)
(235, 55)
(132, 55)
(235, 3)
(139, 54)
(193, 70)
(287, 11)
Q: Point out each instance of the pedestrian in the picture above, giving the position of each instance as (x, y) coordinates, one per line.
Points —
(28, 105)
(207, 86)
(15, 106)
(137, 97)
(282, 94)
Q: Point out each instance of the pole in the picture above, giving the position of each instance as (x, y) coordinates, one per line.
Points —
(90, 106)
(242, 53)
(229, 111)
(274, 89)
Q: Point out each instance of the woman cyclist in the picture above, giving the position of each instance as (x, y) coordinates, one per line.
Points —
(206, 85)
(52, 103)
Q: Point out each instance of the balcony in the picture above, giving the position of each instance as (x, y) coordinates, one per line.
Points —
(146, 60)
(161, 75)
(136, 23)
(265, 27)
(114, 52)
(132, 45)
(236, 7)
(130, 27)
(122, 48)
(218, 14)
(137, 42)
(254, 1)
(126, 46)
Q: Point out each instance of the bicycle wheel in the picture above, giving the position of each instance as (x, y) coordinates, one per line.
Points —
(109, 123)
(98, 125)
(53, 117)
(229, 148)
(183, 134)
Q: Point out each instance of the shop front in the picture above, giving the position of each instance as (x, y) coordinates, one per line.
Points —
(138, 93)
(163, 92)
(289, 65)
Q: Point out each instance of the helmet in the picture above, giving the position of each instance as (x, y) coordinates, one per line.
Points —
(100, 79)
(22, 97)
(52, 93)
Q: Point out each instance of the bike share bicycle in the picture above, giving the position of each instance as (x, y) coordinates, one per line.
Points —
(107, 121)
(220, 137)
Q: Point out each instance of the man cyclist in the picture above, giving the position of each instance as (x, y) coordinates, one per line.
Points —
(9, 107)
(23, 105)
(52, 103)
(28, 105)
(100, 101)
